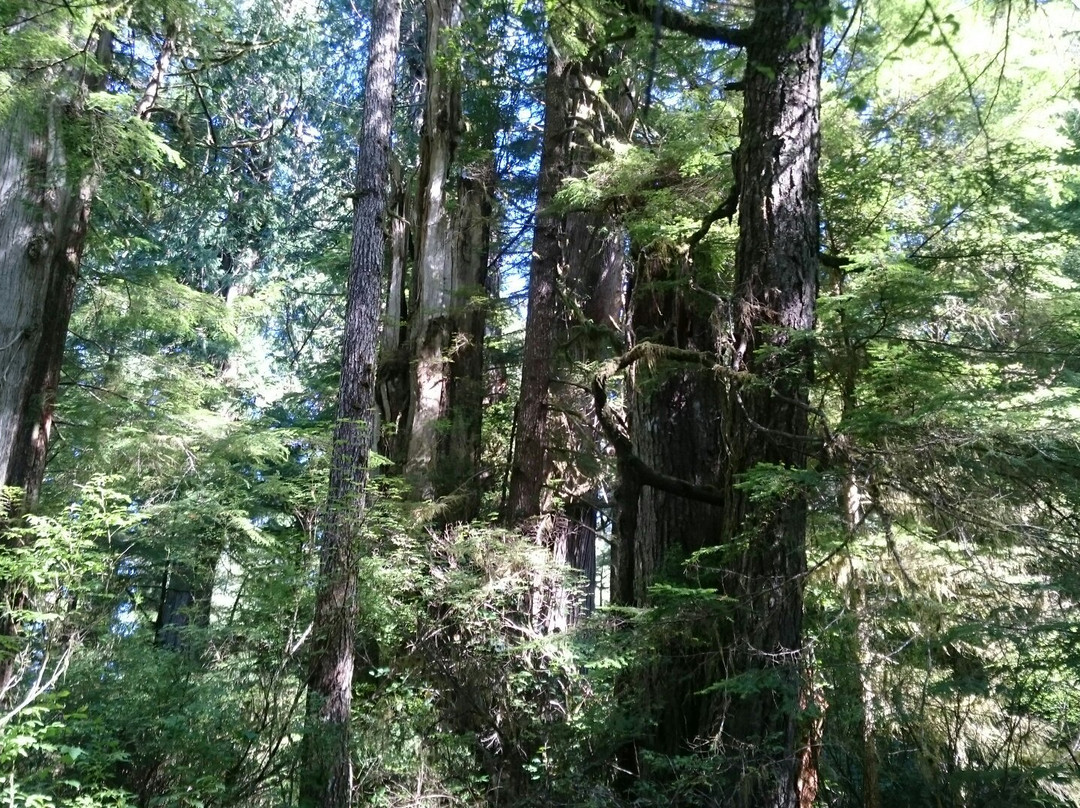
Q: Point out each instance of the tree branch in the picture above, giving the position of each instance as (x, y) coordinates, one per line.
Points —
(647, 475)
(691, 25)
(624, 448)
(725, 210)
(831, 261)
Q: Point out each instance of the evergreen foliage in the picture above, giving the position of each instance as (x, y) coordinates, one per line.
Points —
(163, 587)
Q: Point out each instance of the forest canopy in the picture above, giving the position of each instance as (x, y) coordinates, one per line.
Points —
(612, 403)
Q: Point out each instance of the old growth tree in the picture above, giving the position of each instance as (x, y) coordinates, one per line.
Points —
(691, 447)
(694, 410)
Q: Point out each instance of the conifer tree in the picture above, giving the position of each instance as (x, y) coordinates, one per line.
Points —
(740, 699)
(448, 308)
(49, 175)
(327, 778)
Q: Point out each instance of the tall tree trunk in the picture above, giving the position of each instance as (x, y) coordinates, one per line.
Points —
(575, 305)
(44, 213)
(766, 419)
(446, 327)
(394, 376)
(701, 435)
(429, 327)
(457, 467)
(45, 200)
(527, 470)
(674, 424)
(589, 316)
(674, 413)
(326, 775)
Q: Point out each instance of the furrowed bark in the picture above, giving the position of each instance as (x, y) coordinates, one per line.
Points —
(430, 328)
(671, 491)
(736, 689)
(43, 218)
(45, 199)
(589, 326)
(457, 467)
(674, 414)
(575, 309)
(326, 775)
(767, 422)
(530, 422)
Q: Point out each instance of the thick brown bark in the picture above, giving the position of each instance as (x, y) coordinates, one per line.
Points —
(45, 200)
(457, 466)
(675, 417)
(674, 411)
(326, 775)
(45, 197)
(733, 681)
(528, 468)
(766, 421)
(575, 308)
(43, 219)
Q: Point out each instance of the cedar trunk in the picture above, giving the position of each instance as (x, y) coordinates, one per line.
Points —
(326, 775)
(675, 427)
(447, 321)
(45, 197)
(45, 201)
(429, 326)
(732, 676)
(43, 220)
(43, 223)
(589, 314)
(527, 469)
(575, 307)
